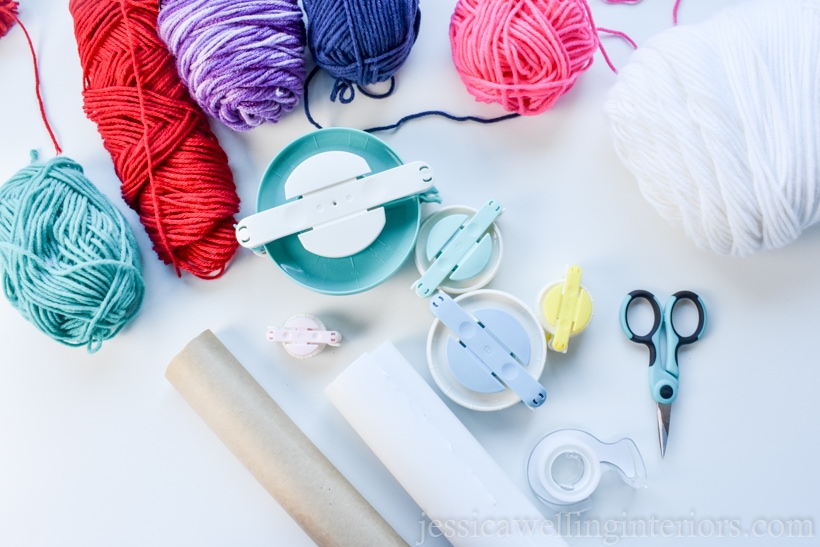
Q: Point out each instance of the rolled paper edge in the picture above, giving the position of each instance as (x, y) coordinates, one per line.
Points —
(450, 475)
(273, 448)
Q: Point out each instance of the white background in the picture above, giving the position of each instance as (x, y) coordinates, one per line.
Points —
(101, 450)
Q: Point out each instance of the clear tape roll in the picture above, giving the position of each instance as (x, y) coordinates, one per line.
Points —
(565, 468)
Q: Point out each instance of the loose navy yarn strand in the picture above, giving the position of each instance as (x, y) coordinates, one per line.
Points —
(402, 121)
(442, 114)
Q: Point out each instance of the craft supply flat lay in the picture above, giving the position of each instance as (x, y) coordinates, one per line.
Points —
(381, 273)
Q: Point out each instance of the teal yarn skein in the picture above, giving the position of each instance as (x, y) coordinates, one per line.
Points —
(69, 262)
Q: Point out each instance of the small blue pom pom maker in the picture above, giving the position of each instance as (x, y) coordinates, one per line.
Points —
(459, 249)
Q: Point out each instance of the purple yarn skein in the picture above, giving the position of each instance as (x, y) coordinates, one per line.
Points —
(241, 60)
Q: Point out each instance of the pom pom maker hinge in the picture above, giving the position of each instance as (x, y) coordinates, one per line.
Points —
(456, 246)
(304, 336)
(489, 352)
(340, 210)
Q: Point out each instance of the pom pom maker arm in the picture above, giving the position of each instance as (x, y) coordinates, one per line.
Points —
(458, 247)
(340, 212)
(479, 358)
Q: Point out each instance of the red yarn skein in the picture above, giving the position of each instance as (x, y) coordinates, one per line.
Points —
(522, 54)
(8, 16)
(174, 173)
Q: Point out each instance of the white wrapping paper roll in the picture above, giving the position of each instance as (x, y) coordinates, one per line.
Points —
(274, 449)
(433, 455)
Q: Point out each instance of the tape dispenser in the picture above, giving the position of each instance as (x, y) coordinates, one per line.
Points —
(459, 249)
(338, 211)
(486, 350)
(565, 468)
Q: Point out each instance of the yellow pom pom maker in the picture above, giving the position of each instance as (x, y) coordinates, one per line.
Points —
(565, 309)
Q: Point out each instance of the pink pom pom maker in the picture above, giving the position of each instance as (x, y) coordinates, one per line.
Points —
(304, 336)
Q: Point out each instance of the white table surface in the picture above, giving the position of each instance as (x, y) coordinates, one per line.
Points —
(100, 450)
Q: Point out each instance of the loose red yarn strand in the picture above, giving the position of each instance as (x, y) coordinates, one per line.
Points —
(148, 158)
(8, 16)
(174, 173)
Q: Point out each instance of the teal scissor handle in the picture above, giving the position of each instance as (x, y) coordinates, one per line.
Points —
(663, 372)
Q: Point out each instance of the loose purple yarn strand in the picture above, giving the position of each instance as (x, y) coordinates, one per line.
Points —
(241, 60)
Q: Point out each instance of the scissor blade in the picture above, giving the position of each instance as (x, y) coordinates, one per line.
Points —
(664, 411)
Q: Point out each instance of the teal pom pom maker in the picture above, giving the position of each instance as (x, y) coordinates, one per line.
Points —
(339, 212)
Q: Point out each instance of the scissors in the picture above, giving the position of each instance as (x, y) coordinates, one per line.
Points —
(663, 371)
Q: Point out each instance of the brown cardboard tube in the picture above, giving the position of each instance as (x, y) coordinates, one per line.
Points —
(273, 448)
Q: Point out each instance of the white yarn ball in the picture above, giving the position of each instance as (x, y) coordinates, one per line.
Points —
(719, 124)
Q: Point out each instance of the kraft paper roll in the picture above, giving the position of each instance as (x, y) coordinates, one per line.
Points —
(274, 449)
(434, 456)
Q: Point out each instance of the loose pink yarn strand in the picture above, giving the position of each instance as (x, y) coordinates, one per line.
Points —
(613, 32)
(619, 34)
(623, 35)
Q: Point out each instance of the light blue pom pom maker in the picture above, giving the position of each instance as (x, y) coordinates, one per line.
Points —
(486, 350)
(339, 212)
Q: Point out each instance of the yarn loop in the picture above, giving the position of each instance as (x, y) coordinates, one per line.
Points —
(523, 55)
(242, 60)
(68, 260)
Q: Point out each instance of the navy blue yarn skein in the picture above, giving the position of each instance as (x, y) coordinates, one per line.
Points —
(361, 42)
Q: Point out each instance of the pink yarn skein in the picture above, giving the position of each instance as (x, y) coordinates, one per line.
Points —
(522, 54)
